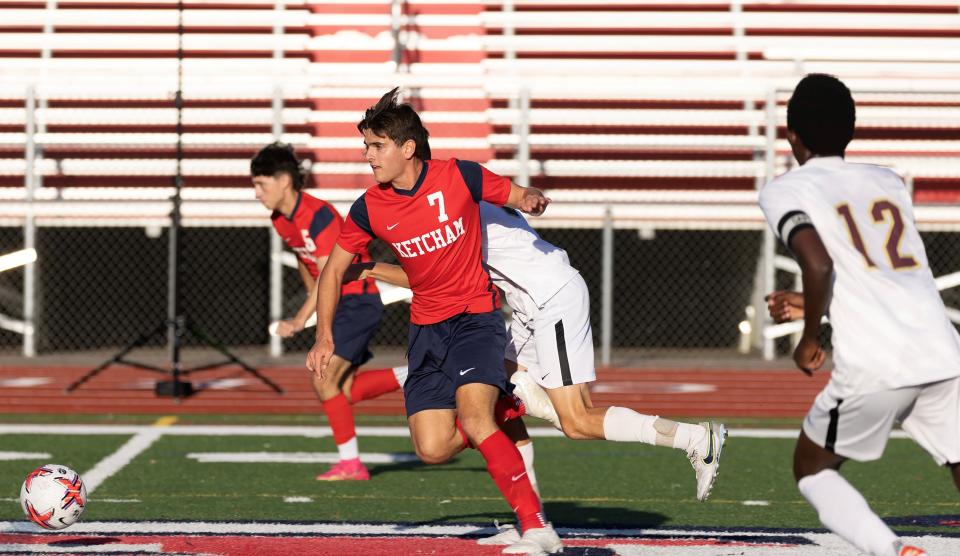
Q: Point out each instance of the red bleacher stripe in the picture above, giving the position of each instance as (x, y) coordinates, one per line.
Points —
(353, 155)
(439, 129)
(409, 56)
(421, 104)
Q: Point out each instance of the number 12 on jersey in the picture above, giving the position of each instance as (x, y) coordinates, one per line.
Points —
(881, 211)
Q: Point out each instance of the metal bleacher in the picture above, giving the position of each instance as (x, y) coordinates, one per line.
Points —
(623, 94)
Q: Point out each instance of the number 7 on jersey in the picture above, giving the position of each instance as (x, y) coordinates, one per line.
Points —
(437, 199)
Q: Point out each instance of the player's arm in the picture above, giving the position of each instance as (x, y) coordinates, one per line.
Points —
(305, 276)
(354, 236)
(328, 296)
(816, 269)
(484, 185)
(527, 199)
(784, 306)
(385, 272)
(289, 327)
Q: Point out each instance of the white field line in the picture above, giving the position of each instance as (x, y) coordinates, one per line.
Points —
(314, 432)
(617, 540)
(117, 548)
(107, 467)
(294, 457)
(11, 456)
(253, 528)
(25, 382)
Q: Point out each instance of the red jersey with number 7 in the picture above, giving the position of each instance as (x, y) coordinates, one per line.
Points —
(311, 232)
(434, 230)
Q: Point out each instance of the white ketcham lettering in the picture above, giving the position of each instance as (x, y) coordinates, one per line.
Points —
(430, 241)
(437, 238)
(426, 245)
(416, 241)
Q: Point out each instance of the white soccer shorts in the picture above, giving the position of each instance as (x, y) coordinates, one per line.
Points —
(857, 427)
(555, 344)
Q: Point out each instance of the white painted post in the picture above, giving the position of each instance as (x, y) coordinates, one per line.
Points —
(523, 147)
(29, 226)
(276, 244)
(769, 246)
(606, 303)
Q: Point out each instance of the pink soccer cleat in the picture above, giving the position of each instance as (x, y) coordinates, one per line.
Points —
(346, 470)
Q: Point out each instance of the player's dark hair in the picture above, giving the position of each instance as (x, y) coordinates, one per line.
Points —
(822, 113)
(398, 121)
(278, 158)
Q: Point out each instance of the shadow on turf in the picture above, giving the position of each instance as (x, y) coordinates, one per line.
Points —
(574, 514)
(566, 514)
(381, 468)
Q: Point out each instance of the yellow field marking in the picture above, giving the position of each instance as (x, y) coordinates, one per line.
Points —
(165, 421)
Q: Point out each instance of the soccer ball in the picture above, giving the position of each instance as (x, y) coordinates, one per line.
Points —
(53, 496)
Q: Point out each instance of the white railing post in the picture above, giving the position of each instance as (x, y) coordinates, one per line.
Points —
(606, 292)
(768, 276)
(29, 226)
(523, 146)
(736, 10)
(509, 52)
(396, 26)
(276, 244)
(46, 53)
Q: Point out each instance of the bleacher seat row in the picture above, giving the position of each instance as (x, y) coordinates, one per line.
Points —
(624, 94)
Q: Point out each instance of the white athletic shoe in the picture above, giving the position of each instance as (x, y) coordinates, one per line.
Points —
(534, 398)
(506, 534)
(705, 458)
(542, 540)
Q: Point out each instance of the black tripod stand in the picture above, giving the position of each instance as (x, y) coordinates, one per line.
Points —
(176, 325)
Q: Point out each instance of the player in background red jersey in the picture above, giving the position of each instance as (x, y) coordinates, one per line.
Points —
(428, 212)
(310, 227)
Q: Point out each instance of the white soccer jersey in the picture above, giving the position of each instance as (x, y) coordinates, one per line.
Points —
(890, 328)
(527, 269)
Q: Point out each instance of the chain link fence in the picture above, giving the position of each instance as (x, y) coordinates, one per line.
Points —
(104, 287)
(675, 291)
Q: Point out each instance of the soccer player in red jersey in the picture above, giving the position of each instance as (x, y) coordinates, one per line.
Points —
(428, 212)
(310, 227)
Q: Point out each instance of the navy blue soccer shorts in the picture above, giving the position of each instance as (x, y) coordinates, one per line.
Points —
(356, 321)
(464, 349)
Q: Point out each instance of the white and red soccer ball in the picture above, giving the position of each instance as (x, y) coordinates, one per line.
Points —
(53, 496)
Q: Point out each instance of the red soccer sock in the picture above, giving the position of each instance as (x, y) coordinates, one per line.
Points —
(507, 408)
(373, 383)
(505, 465)
(340, 415)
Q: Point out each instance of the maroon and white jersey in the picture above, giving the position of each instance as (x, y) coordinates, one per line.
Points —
(890, 327)
(311, 232)
(434, 230)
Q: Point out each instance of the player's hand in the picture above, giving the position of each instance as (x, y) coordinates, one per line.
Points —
(319, 357)
(358, 271)
(785, 306)
(534, 201)
(287, 328)
(809, 356)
